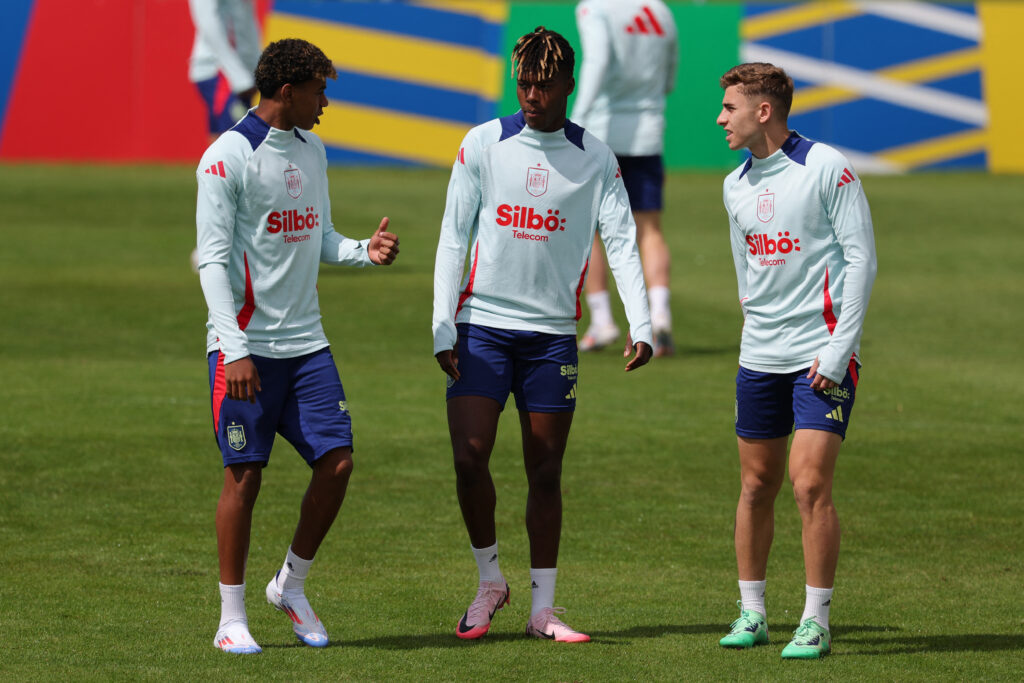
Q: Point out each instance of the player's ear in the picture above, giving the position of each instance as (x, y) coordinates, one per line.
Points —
(764, 111)
(572, 85)
(286, 93)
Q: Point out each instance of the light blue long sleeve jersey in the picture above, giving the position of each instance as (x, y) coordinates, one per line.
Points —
(263, 223)
(525, 206)
(804, 250)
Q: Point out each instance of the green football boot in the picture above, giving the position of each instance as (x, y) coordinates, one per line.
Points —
(810, 641)
(749, 630)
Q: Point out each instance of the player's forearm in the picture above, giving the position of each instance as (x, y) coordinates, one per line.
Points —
(342, 251)
(213, 278)
(860, 278)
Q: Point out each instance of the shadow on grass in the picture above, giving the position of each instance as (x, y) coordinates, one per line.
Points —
(899, 644)
(848, 642)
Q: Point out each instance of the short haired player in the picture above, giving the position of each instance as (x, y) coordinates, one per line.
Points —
(264, 226)
(526, 195)
(804, 251)
(630, 57)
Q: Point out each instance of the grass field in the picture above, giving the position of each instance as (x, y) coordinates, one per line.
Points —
(109, 473)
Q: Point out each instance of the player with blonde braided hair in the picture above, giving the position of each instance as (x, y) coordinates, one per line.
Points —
(528, 193)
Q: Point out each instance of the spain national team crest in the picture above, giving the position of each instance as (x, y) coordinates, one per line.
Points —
(537, 181)
(236, 436)
(766, 207)
(293, 182)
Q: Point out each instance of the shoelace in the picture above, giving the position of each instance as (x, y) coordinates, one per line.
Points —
(805, 633)
(550, 612)
(478, 611)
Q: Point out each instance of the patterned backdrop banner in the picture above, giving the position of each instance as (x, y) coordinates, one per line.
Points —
(898, 86)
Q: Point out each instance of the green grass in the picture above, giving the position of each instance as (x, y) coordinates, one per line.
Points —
(109, 474)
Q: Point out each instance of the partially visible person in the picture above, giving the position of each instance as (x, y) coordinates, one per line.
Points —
(527, 194)
(804, 250)
(224, 54)
(264, 225)
(630, 56)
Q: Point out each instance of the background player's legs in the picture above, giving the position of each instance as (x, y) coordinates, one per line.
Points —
(602, 330)
(657, 265)
(762, 469)
(323, 499)
(234, 519)
(812, 464)
(473, 425)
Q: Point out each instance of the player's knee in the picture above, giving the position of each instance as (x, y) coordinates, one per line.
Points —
(336, 466)
(811, 492)
(757, 490)
(546, 478)
(470, 464)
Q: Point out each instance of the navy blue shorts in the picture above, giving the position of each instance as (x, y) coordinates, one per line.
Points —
(644, 178)
(301, 399)
(223, 107)
(539, 369)
(770, 405)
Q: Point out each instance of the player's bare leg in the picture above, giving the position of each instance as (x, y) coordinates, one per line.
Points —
(762, 470)
(319, 509)
(812, 464)
(234, 519)
(473, 425)
(544, 439)
(657, 269)
(234, 522)
(322, 501)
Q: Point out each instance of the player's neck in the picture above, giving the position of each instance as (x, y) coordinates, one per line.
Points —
(774, 137)
(272, 114)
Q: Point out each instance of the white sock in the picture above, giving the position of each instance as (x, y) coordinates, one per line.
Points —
(487, 563)
(752, 596)
(817, 605)
(293, 573)
(600, 307)
(661, 314)
(232, 604)
(542, 585)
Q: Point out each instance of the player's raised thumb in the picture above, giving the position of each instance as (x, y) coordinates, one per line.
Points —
(384, 222)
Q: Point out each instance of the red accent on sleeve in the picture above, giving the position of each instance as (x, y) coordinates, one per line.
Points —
(468, 291)
(245, 315)
(830, 318)
(579, 290)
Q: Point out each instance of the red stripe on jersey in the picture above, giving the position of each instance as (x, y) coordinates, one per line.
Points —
(830, 318)
(579, 290)
(220, 390)
(220, 169)
(640, 26)
(245, 315)
(853, 372)
(654, 22)
(468, 291)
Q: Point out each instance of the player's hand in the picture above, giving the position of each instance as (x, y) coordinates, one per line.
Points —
(242, 380)
(449, 362)
(643, 356)
(383, 247)
(819, 382)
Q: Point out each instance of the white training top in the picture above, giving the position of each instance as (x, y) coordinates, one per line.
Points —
(227, 41)
(525, 206)
(630, 56)
(263, 224)
(804, 251)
